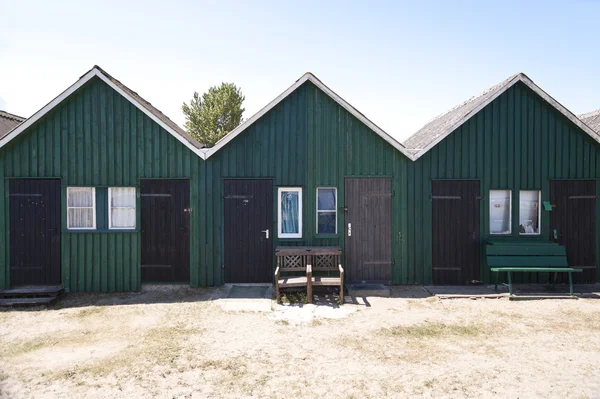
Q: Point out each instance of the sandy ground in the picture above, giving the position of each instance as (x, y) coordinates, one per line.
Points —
(180, 342)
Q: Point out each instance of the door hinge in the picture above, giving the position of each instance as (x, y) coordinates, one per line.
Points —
(188, 210)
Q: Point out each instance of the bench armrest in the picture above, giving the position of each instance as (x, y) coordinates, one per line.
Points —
(308, 269)
(277, 273)
(341, 271)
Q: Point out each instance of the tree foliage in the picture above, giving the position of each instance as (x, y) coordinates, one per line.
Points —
(216, 113)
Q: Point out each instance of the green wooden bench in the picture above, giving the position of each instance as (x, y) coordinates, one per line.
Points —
(512, 258)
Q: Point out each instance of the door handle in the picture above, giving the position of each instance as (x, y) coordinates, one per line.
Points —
(266, 233)
(349, 229)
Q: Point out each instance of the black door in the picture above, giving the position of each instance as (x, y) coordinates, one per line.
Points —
(573, 224)
(368, 252)
(248, 231)
(34, 232)
(455, 231)
(165, 231)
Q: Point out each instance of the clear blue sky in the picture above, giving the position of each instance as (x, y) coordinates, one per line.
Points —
(400, 63)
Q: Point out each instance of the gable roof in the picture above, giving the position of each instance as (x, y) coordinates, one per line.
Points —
(8, 121)
(592, 119)
(443, 125)
(314, 80)
(134, 98)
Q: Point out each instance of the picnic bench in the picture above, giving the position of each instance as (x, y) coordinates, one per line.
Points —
(296, 266)
(532, 257)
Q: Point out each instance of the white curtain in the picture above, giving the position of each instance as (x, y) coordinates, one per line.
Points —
(80, 205)
(122, 207)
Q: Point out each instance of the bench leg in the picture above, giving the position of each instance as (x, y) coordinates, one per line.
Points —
(496, 286)
(571, 282)
(341, 293)
(277, 299)
(309, 294)
(509, 284)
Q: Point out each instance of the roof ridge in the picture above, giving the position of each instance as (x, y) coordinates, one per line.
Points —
(485, 92)
(8, 115)
(139, 97)
(589, 114)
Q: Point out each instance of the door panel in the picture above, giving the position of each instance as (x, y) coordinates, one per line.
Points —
(368, 252)
(165, 231)
(455, 231)
(248, 213)
(573, 216)
(34, 232)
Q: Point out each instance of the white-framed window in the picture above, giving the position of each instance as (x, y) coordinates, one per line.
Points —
(81, 208)
(529, 212)
(289, 212)
(500, 211)
(121, 207)
(326, 210)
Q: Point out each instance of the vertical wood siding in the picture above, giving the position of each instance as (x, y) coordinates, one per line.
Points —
(517, 142)
(98, 138)
(308, 140)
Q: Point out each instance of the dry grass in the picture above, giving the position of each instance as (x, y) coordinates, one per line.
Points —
(434, 330)
(395, 348)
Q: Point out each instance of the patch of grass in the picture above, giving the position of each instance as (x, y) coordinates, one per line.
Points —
(293, 298)
(160, 346)
(87, 312)
(283, 322)
(433, 330)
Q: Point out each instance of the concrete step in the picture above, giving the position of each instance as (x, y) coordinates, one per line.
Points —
(32, 291)
(366, 290)
(27, 302)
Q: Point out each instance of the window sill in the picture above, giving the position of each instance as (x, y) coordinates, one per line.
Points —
(101, 231)
(327, 235)
(290, 239)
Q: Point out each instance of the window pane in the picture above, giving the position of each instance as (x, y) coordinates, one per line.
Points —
(80, 196)
(122, 197)
(529, 205)
(81, 218)
(326, 223)
(326, 199)
(289, 212)
(500, 212)
(122, 217)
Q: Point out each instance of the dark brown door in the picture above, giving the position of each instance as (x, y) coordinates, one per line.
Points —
(165, 231)
(248, 231)
(368, 229)
(34, 232)
(455, 231)
(573, 217)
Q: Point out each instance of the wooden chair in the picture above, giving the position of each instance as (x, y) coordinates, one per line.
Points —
(329, 261)
(292, 262)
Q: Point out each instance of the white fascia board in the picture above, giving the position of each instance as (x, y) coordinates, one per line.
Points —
(74, 87)
(307, 76)
(47, 108)
(535, 88)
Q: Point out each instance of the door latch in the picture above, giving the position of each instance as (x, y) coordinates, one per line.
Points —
(266, 233)
(349, 229)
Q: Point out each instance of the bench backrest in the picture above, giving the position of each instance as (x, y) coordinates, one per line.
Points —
(292, 261)
(499, 255)
(295, 259)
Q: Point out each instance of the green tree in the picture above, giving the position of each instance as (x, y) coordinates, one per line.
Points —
(216, 113)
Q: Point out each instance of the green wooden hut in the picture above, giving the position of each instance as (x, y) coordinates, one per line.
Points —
(102, 192)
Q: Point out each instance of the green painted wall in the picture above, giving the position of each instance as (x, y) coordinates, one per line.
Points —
(307, 140)
(517, 142)
(95, 137)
